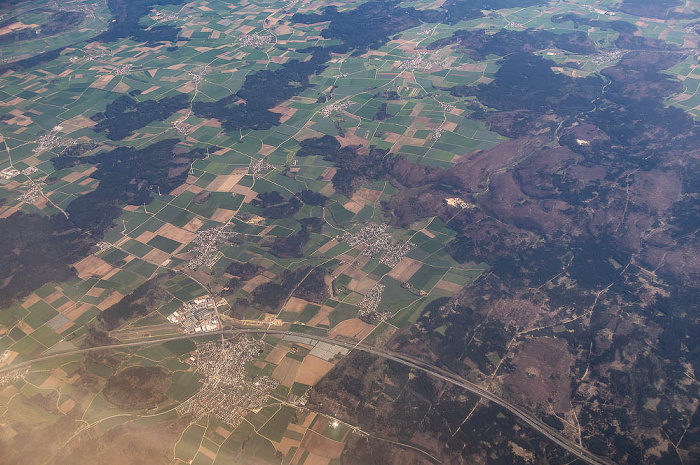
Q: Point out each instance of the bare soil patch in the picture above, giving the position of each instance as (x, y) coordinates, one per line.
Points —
(312, 370)
(353, 328)
(321, 445)
(286, 371)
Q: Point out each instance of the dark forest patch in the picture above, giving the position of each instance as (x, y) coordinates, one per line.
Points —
(241, 272)
(387, 94)
(623, 27)
(65, 161)
(275, 208)
(125, 115)
(381, 114)
(129, 176)
(541, 375)
(323, 146)
(313, 288)
(77, 150)
(597, 263)
(56, 22)
(267, 199)
(526, 81)
(480, 44)
(397, 404)
(27, 63)
(126, 15)
(370, 24)
(303, 282)
(270, 296)
(293, 246)
(651, 8)
(353, 169)
(97, 337)
(72, 156)
(410, 205)
(244, 271)
(146, 298)
(459, 10)
(289, 246)
(249, 108)
(36, 249)
(310, 197)
(283, 210)
(637, 125)
(137, 388)
(639, 77)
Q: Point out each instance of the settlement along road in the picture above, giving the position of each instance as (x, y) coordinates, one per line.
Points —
(526, 417)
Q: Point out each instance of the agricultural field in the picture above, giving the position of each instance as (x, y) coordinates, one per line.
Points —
(339, 175)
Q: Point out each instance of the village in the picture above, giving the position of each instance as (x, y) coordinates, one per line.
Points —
(377, 242)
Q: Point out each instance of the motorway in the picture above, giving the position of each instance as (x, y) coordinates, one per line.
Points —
(526, 417)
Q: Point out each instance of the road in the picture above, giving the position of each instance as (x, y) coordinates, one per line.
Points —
(526, 417)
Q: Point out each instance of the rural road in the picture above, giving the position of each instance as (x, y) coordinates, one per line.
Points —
(526, 417)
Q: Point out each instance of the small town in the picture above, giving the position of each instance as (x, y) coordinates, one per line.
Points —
(378, 242)
(9, 377)
(205, 251)
(370, 303)
(198, 74)
(419, 62)
(32, 194)
(260, 166)
(394, 253)
(51, 140)
(227, 387)
(257, 40)
(330, 109)
(368, 234)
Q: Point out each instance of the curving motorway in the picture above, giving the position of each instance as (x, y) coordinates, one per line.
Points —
(525, 416)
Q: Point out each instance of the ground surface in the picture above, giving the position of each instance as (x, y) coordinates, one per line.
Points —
(505, 190)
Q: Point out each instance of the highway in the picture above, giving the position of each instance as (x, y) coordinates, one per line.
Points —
(526, 417)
